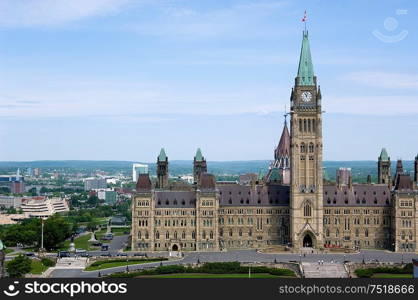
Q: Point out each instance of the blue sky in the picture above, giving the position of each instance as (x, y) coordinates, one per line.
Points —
(118, 79)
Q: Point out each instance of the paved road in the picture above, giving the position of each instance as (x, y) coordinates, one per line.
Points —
(252, 256)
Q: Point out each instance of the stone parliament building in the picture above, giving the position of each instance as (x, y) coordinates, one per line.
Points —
(290, 206)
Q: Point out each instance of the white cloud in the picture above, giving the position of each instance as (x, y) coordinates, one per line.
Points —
(380, 106)
(25, 13)
(240, 20)
(384, 79)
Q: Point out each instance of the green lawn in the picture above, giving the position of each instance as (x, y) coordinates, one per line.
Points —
(37, 267)
(81, 242)
(388, 275)
(120, 231)
(200, 275)
(8, 250)
(113, 264)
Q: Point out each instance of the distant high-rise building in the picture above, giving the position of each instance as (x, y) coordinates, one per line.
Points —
(94, 184)
(36, 172)
(138, 169)
(15, 183)
(109, 196)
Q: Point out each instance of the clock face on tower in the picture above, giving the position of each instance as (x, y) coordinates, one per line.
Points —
(306, 97)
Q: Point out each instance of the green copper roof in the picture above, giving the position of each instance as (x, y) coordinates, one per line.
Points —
(162, 155)
(384, 155)
(199, 156)
(260, 175)
(305, 69)
(275, 175)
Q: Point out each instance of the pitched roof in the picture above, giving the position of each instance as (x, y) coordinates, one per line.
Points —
(283, 149)
(274, 175)
(198, 156)
(144, 183)
(162, 155)
(403, 182)
(207, 181)
(358, 195)
(259, 195)
(384, 155)
(305, 69)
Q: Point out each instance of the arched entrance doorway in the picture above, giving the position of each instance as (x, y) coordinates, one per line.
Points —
(307, 241)
(175, 247)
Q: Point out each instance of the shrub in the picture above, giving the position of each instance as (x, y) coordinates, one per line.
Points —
(47, 262)
(18, 266)
(367, 273)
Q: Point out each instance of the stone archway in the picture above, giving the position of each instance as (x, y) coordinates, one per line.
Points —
(308, 240)
(175, 248)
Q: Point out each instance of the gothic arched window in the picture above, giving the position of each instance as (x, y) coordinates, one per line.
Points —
(307, 210)
(157, 235)
(302, 148)
(311, 147)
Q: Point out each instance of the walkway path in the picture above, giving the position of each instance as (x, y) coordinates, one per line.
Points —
(325, 270)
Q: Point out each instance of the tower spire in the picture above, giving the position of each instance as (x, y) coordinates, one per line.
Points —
(305, 69)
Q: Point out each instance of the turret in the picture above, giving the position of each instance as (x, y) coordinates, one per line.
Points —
(383, 168)
(162, 170)
(199, 166)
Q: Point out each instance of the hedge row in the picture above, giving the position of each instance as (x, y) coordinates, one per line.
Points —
(207, 268)
(138, 260)
(367, 273)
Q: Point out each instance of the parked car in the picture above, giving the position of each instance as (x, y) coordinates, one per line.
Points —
(85, 254)
(63, 254)
(121, 254)
(30, 254)
(108, 236)
(78, 251)
(106, 254)
(105, 248)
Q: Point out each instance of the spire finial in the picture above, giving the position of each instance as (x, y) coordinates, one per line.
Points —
(304, 20)
(285, 115)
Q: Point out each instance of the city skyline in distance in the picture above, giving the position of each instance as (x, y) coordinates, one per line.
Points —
(100, 86)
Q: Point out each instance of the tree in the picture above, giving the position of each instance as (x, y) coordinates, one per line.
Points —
(91, 226)
(93, 201)
(56, 231)
(32, 192)
(18, 266)
(43, 190)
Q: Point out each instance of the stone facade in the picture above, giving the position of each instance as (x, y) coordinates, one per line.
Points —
(289, 206)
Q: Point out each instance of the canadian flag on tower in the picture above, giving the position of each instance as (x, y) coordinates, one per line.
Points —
(305, 17)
